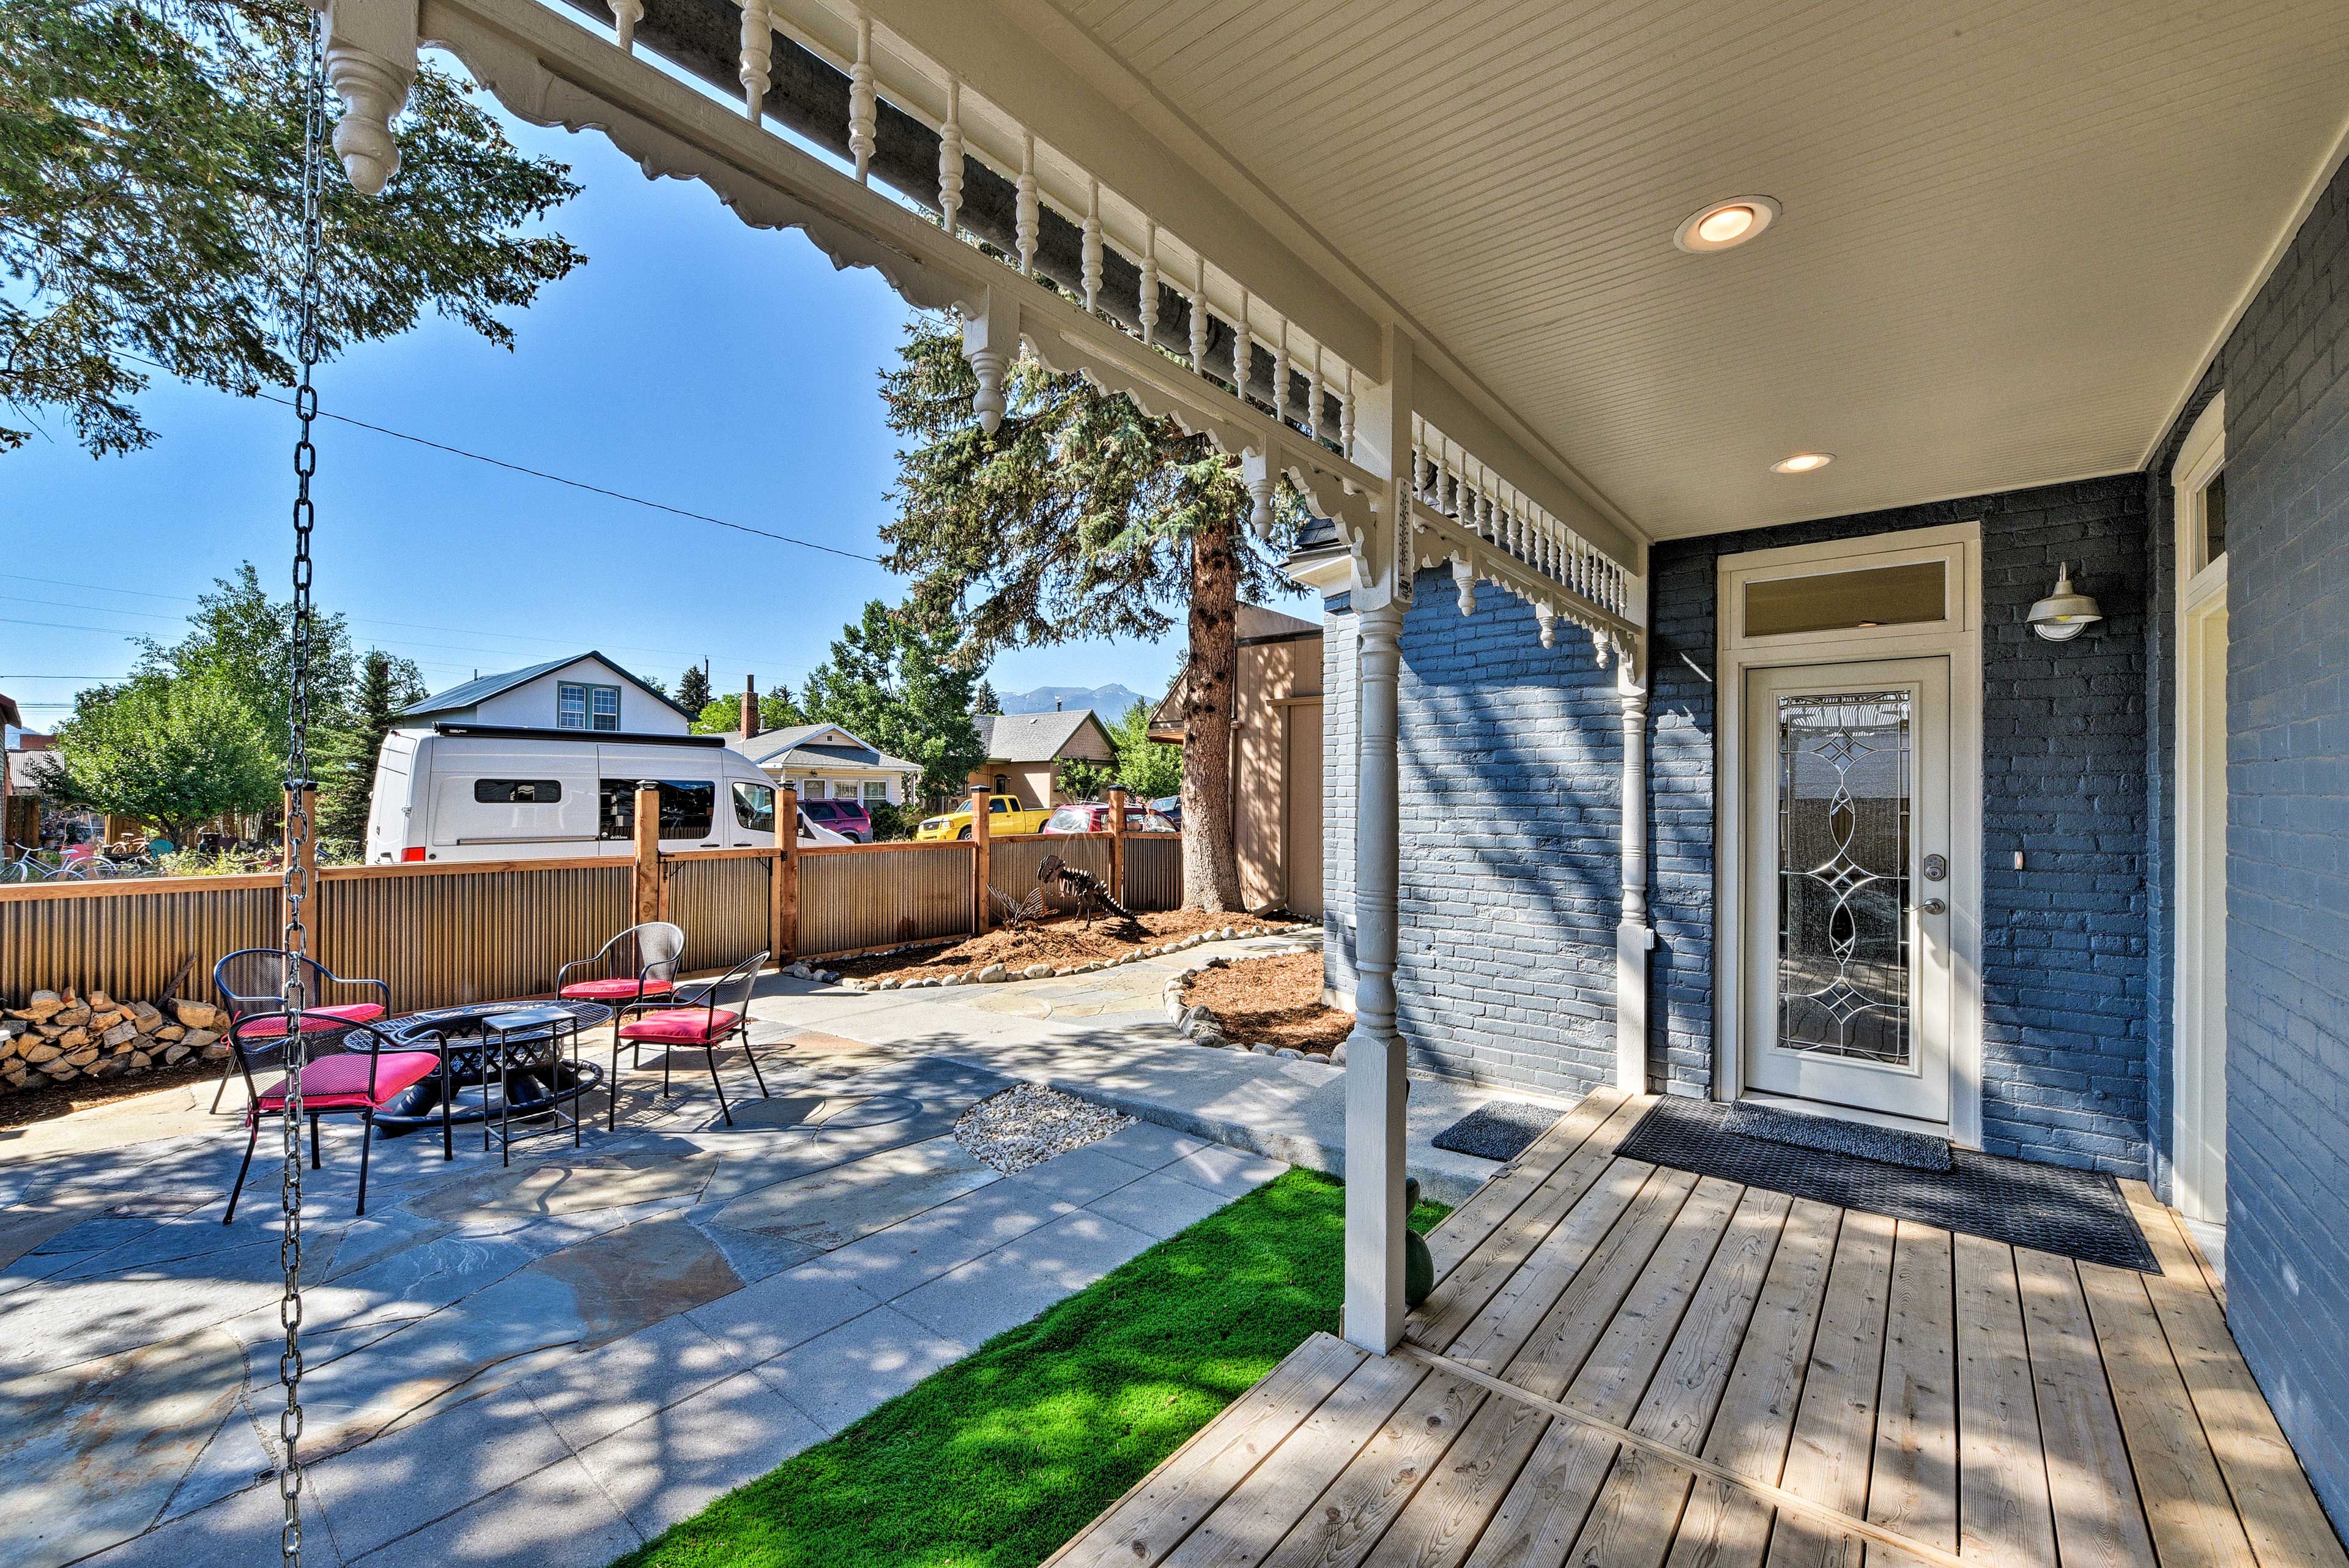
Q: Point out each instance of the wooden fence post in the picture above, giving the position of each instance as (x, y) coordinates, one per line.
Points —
(783, 913)
(1117, 845)
(980, 905)
(649, 891)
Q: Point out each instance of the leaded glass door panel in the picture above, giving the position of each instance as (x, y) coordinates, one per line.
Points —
(1847, 972)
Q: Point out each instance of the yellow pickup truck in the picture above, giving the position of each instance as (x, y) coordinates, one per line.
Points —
(1004, 815)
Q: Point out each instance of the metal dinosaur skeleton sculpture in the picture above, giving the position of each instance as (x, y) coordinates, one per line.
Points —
(1091, 893)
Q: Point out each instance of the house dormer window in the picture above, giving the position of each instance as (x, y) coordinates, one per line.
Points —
(579, 706)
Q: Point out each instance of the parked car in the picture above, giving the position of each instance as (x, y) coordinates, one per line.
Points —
(1004, 815)
(846, 817)
(1093, 817)
(487, 791)
(1171, 808)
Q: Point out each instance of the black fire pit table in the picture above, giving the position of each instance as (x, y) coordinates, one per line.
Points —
(525, 1061)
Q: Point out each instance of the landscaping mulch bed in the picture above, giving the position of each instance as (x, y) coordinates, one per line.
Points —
(25, 1107)
(1060, 941)
(1273, 1001)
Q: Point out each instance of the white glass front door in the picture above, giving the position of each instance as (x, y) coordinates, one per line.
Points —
(1847, 924)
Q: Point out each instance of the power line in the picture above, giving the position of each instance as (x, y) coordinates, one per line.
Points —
(555, 478)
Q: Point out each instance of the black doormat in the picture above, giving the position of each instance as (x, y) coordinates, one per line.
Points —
(1499, 1129)
(1889, 1146)
(2073, 1213)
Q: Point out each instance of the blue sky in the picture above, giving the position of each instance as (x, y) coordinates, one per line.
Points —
(692, 361)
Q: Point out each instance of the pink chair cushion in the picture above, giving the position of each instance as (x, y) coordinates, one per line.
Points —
(340, 1083)
(682, 1027)
(269, 1025)
(610, 989)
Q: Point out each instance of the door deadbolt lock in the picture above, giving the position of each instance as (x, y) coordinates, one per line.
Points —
(1934, 907)
(1936, 868)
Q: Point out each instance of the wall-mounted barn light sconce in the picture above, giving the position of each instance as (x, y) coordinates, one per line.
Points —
(2064, 614)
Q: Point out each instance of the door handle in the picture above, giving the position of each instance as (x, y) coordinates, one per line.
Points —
(1933, 906)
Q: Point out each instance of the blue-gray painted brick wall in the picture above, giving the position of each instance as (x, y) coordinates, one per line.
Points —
(1509, 880)
(2064, 738)
(2286, 373)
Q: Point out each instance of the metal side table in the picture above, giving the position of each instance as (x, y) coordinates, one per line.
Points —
(558, 1024)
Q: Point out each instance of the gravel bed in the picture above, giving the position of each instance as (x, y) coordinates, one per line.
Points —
(1027, 1123)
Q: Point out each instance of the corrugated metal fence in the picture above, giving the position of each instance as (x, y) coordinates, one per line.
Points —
(128, 939)
(442, 935)
(721, 900)
(879, 895)
(1154, 871)
(454, 937)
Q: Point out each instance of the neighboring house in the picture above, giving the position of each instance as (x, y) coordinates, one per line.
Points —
(585, 693)
(20, 806)
(1024, 752)
(1276, 770)
(824, 761)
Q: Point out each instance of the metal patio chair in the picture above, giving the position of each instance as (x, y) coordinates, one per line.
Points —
(633, 972)
(359, 1080)
(252, 984)
(718, 1011)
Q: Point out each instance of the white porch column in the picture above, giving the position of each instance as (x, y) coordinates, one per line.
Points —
(1375, 1085)
(1374, 1075)
(1634, 937)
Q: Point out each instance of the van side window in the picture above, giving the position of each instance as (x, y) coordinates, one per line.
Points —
(754, 807)
(517, 792)
(687, 808)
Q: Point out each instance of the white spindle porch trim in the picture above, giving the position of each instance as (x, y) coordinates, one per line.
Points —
(757, 55)
(625, 15)
(950, 158)
(863, 111)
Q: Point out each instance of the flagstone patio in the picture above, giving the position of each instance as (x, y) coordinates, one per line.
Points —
(548, 1364)
(544, 1364)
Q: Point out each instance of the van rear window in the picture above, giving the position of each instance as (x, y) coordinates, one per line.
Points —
(517, 792)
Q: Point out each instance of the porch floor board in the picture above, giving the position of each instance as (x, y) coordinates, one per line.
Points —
(1989, 1402)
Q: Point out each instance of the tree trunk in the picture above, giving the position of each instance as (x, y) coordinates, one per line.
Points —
(1211, 873)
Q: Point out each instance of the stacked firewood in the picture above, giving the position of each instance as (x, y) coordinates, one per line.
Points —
(57, 1036)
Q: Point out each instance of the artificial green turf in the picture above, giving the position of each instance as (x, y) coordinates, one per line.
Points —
(999, 1458)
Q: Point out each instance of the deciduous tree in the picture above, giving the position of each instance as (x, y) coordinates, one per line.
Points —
(893, 679)
(169, 751)
(1149, 769)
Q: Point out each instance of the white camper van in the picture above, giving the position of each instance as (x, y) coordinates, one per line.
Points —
(491, 792)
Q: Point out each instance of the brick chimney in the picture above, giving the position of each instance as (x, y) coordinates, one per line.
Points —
(749, 706)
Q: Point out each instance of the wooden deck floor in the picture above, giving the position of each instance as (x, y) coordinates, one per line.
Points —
(1901, 1385)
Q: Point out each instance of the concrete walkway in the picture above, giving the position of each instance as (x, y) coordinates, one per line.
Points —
(550, 1363)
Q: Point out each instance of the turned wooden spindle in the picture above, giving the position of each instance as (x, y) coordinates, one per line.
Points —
(863, 111)
(950, 158)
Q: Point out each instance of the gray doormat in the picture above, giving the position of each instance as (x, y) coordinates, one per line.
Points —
(1498, 1129)
(1889, 1145)
(2073, 1213)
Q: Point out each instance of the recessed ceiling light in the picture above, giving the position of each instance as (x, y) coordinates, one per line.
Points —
(1721, 224)
(1802, 462)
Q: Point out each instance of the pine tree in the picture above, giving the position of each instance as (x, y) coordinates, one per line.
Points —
(693, 689)
(348, 755)
(1081, 517)
(984, 700)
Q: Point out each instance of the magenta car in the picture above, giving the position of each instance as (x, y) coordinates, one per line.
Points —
(846, 817)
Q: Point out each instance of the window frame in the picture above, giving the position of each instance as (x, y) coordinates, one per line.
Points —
(588, 692)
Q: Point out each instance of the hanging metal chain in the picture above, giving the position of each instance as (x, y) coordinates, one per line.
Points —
(298, 799)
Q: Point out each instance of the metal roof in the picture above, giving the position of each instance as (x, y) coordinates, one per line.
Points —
(482, 688)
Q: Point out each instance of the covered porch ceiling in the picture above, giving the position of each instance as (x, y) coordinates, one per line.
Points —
(2012, 233)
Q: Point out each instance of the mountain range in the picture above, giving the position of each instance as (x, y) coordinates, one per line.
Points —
(1110, 702)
